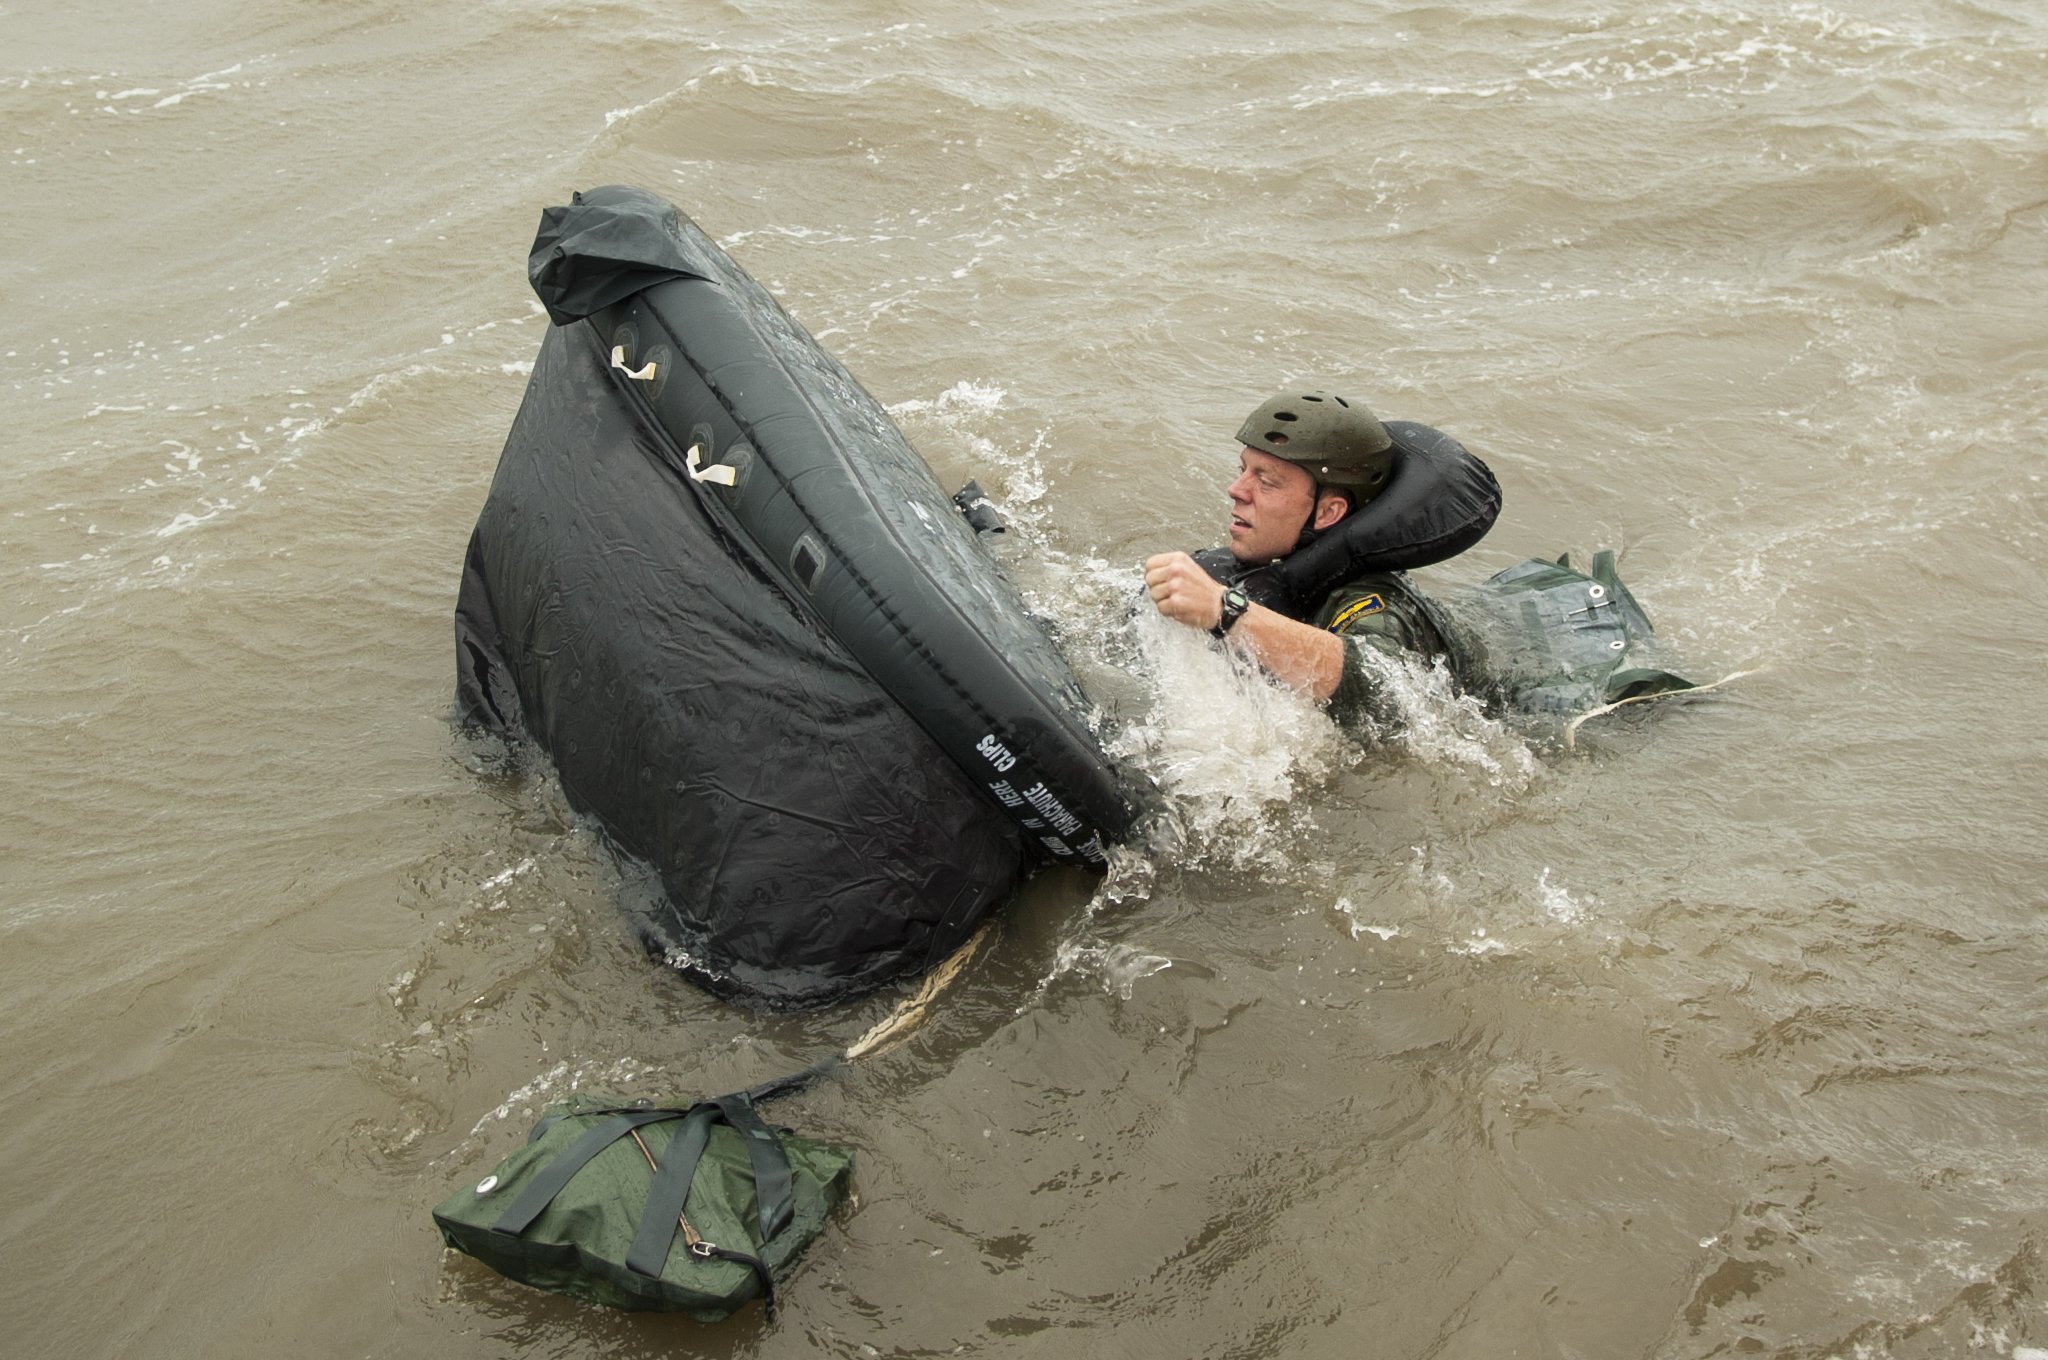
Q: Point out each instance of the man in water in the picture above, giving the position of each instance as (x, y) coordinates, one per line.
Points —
(1308, 461)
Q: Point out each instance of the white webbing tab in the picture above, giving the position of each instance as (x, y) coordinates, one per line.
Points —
(642, 374)
(722, 473)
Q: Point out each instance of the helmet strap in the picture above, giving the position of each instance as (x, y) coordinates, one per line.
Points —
(1309, 532)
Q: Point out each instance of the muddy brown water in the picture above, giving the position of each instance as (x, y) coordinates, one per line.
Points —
(1720, 1034)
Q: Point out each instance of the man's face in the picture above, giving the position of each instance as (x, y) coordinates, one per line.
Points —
(1269, 503)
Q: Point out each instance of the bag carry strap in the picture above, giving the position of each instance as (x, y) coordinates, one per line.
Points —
(666, 1198)
(540, 1193)
(796, 1081)
(671, 1188)
(661, 1215)
(774, 1188)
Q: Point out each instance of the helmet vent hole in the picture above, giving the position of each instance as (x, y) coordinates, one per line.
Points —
(1275, 437)
(1285, 415)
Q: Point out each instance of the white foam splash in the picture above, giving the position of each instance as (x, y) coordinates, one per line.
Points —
(1440, 724)
(1221, 738)
(1349, 911)
(185, 519)
(1560, 905)
(1015, 479)
(965, 395)
(1477, 945)
(523, 1098)
(1119, 966)
(504, 876)
(557, 1081)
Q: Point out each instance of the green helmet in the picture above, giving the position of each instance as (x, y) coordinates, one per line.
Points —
(1333, 439)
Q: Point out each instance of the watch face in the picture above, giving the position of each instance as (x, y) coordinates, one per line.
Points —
(1234, 606)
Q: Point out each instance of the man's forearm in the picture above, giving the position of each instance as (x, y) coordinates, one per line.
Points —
(1309, 659)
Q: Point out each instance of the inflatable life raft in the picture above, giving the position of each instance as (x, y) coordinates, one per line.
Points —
(760, 643)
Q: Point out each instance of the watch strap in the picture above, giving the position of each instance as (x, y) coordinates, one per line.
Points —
(1234, 606)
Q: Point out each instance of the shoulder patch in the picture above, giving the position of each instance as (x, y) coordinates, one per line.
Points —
(1357, 609)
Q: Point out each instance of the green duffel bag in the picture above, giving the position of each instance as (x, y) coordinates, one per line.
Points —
(694, 1209)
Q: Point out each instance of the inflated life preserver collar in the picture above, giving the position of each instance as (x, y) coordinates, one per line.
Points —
(1439, 501)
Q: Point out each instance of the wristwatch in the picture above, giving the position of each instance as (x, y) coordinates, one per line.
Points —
(1234, 605)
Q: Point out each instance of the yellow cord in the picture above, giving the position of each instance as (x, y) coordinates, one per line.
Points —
(1571, 731)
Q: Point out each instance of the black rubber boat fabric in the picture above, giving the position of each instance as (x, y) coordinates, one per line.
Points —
(602, 248)
(794, 458)
(812, 840)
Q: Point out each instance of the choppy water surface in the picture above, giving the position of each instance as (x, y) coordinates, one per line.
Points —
(1719, 1034)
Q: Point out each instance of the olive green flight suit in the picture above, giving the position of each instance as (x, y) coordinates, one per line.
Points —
(1383, 612)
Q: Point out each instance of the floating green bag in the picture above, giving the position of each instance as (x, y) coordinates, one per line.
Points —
(1559, 644)
(694, 1209)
